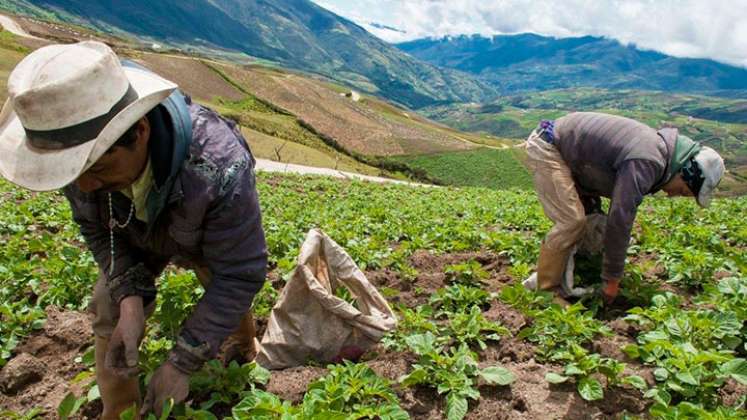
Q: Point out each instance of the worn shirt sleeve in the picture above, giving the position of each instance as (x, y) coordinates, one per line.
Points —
(234, 249)
(634, 179)
(131, 275)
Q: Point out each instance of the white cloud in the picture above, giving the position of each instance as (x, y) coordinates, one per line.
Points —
(715, 29)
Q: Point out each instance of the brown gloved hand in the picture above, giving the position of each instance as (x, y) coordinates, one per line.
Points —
(610, 290)
(122, 354)
(167, 382)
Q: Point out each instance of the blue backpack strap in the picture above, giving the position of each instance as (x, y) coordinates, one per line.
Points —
(176, 105)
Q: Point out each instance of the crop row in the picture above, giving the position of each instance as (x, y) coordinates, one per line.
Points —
(694, 339)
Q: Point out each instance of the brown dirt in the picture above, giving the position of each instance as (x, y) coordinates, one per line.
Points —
(361, 127)
(622, 327)
(508, 350)
(391, 365)
(65, 336)
(192, 75)
(290, 384)
(612, 347)
(507, 316)
(431, 276)
(61, 33)
(733, 392)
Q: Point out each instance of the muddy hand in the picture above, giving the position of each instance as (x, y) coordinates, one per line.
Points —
(167, 382)
(122, 355)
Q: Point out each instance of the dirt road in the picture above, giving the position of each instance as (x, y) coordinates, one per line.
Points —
(11, 26)
(273, 166)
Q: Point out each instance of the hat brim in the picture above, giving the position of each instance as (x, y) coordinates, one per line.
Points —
(45, 170)
(704, 198)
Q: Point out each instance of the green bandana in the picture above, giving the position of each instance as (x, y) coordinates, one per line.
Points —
(684, 150)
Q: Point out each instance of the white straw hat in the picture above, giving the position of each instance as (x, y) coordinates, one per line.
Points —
(66, 106)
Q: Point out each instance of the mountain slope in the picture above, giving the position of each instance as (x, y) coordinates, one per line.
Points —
(533, 62)
(294, 33)
(719, 122)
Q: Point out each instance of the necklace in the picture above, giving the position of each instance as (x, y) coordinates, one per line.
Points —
(114, 223)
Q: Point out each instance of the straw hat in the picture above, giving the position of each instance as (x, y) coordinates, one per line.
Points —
(66, 106)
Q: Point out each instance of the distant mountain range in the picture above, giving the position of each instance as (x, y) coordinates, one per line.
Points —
(528, 62)
(301, 35)
(293, 33)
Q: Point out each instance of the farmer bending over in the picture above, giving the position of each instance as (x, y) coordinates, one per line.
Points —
(151, 177)
(585, 155)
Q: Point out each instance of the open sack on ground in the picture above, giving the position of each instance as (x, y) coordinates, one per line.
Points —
(310, 323)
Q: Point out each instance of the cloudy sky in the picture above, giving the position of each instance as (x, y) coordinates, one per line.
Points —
(715, 29)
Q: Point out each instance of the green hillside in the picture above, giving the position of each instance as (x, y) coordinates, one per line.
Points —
(531, 62)
(719, 122)
(295, 34)
(296, 119)
(484, 167)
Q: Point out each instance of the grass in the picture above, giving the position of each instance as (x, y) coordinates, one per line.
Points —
(721, 123)
(483, 167)
(10, 54)
(274, 148)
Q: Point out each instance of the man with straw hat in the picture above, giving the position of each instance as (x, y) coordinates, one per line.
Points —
(151, 178)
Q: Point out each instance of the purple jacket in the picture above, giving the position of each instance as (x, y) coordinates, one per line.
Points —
(619, 158)
(203, 209)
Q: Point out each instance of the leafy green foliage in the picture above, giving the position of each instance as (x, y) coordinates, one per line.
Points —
(355, 391)
(582, 365)
(70, 405)
(264, 300)
(702, 328)
(526, 301)
(33, 414)
(556, 329)
(468, 327)
(469, 273)
(452, 373)
(690, 411)
(410, 322)
(178, 294)
(561, 334)
(458, 298)
(472, 327)
(348, 391)
(226, 385)
(693, 350)
(262, 405)
(498, 169)
(360, 217)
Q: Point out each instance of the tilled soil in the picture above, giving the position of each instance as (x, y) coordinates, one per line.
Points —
(45, 365)
(363, 127)
(431, 276)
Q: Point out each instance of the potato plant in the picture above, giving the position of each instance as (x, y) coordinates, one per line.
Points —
(683, 296)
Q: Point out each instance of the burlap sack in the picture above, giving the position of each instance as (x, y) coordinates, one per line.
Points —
(310, 323)
(592, 243)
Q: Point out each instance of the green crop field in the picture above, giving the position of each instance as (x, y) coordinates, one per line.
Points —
(471, 342)
(483, 167)
(720, 123)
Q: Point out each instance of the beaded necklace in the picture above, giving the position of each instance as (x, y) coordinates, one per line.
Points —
(114, 223)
